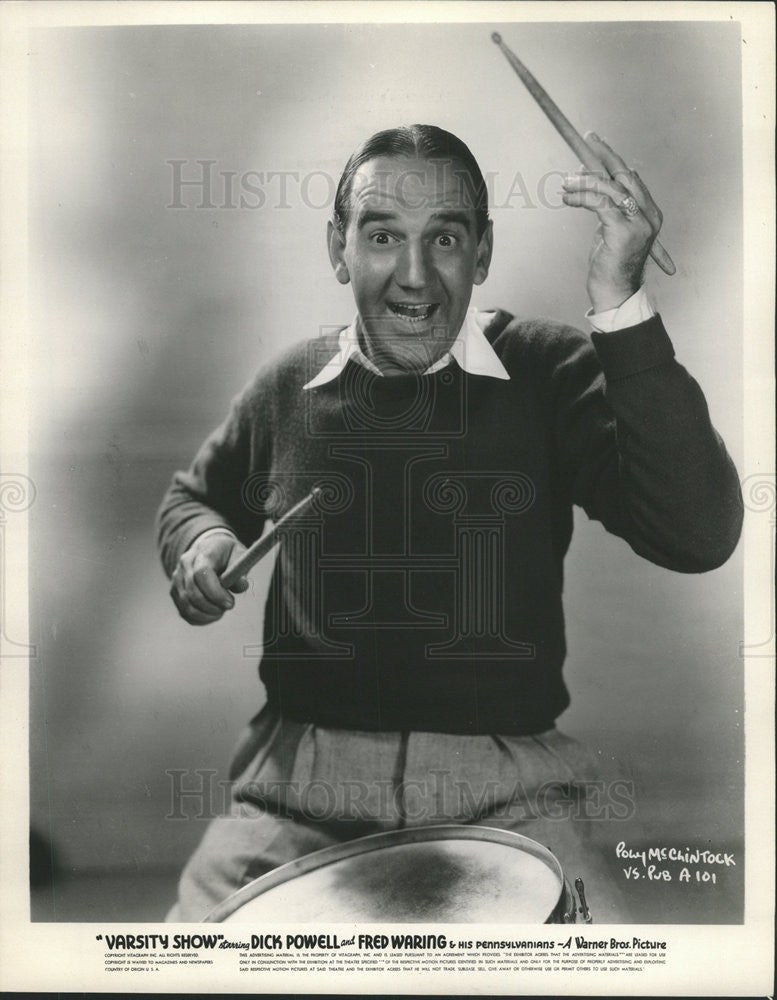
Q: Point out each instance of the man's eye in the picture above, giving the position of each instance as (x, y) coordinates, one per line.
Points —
(446, 241)
(382, 239)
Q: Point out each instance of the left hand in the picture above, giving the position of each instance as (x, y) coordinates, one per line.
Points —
(622, 243)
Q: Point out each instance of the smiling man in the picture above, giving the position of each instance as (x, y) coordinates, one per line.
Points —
(414, 633)
(412, 240)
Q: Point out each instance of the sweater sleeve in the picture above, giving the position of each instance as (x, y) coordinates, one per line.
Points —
(640, 454)
(212, 492)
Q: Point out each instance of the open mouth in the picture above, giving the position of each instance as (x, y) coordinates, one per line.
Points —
(415, 312)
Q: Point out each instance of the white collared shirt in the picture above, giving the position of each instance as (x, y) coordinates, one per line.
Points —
(471, 349)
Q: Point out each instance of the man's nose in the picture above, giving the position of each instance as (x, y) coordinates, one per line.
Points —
(412, 267)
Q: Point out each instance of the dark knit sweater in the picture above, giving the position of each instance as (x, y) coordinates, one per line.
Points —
(424, 592)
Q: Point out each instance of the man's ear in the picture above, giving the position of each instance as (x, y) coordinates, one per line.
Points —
(336, 243)
(485, 249)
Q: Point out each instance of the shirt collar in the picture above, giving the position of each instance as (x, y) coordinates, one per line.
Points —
(471, 351)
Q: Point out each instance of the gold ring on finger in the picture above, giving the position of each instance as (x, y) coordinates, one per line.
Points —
(629, 206)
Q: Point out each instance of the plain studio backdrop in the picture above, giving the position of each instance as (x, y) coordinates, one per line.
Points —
(153, 303)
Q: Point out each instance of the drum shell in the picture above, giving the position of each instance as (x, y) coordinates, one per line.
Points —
(565, 911)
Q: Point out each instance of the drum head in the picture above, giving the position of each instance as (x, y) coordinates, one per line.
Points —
(456, 874)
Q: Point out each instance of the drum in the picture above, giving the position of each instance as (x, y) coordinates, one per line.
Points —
(452, 874)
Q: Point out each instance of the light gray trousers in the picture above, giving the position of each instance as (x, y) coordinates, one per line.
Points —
(298, 787)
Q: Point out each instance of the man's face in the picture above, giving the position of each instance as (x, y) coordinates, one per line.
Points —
(412, 253)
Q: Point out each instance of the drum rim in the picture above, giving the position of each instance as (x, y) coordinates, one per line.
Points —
(375, 841)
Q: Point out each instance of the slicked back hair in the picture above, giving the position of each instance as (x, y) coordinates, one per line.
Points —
(423, 142)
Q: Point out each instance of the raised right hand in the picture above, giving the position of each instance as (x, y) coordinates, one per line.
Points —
(196, 589)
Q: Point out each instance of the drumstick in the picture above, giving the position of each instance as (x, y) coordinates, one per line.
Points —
(571, 136)
(260, 548)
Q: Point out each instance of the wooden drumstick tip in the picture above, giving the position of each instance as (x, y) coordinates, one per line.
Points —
(571, 136)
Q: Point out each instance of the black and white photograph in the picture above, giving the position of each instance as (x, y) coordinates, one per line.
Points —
(381, 422)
